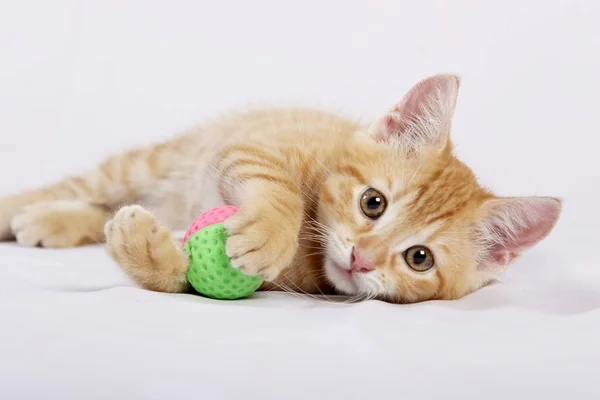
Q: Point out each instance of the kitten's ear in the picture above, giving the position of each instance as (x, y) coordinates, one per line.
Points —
(510, 226)
(422, 118)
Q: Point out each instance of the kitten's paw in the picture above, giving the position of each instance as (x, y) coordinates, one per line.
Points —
(10, 207)
(259, 243)
(58, 224)
(145, 250)
(134, 234)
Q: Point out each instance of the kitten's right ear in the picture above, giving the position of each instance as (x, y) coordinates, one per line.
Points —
(510, 226)
(422, 119)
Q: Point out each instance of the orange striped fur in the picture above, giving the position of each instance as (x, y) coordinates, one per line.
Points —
(298, 176)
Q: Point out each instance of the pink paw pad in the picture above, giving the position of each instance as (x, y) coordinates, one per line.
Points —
(210, 217)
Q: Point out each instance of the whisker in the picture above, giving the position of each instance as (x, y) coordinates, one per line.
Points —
(292, 292)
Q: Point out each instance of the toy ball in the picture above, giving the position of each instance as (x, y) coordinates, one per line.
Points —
(210, 272)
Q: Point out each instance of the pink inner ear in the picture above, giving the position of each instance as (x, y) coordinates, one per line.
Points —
(537, 228)
(393, 124)
(413, 103)
(427, 108)
(518, 224)
(410, 108)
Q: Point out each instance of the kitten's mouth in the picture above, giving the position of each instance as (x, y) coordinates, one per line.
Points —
(341, 277)
(344, 271)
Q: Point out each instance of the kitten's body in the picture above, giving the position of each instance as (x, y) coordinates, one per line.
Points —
(298, 176)
(179, 179)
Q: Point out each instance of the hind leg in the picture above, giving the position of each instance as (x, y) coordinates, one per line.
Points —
(146, 251)
(13, 205)
(59, 224)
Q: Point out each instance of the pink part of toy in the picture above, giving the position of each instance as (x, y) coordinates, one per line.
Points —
(210, 217)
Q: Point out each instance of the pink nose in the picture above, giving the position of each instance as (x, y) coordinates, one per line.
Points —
(359, 264)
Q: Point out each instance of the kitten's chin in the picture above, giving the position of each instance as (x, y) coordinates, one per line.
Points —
(341, 279)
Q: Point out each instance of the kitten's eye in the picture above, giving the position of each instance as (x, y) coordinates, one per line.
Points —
(419, 258)
(373, 203)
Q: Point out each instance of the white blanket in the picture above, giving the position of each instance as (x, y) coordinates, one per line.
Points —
(73, 327)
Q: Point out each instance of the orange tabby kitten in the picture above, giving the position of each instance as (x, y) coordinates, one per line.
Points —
(326, 206)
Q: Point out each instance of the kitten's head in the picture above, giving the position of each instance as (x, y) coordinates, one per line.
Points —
(407, 221)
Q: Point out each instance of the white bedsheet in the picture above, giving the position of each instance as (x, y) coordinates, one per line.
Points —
(73, 327)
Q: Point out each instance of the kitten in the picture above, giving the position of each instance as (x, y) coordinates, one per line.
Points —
(326, 206)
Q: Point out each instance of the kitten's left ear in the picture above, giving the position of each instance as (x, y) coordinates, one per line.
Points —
(422, 118)
(510, 226)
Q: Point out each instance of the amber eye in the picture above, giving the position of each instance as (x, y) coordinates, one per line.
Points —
(419, 258)
(373, 203)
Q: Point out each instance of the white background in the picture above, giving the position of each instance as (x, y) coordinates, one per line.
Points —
(82, 79)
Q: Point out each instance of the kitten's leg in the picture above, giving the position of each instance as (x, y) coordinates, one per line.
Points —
(59, 224)
(146, 251)
(55, 216)
(264, 233)
(12, 205)
(73, 211)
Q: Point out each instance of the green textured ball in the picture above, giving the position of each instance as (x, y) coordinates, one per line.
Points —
(210, 272)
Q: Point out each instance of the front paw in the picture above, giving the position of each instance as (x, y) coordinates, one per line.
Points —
(260, 244)
(146, 250)
(134, 239)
